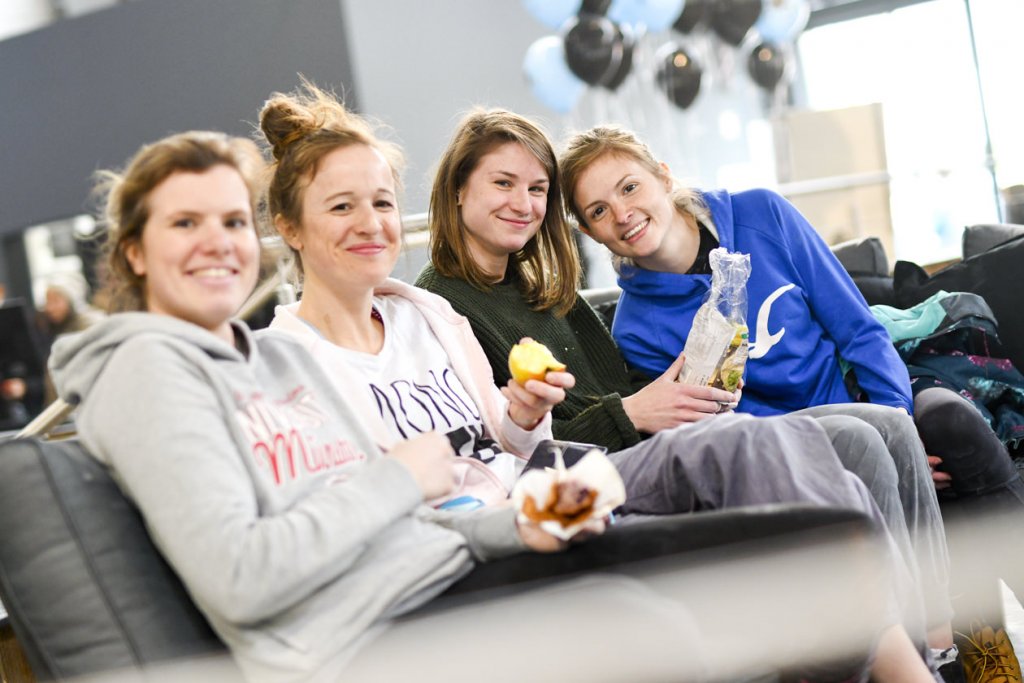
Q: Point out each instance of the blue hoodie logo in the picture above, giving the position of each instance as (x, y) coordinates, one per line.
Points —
(765, 340)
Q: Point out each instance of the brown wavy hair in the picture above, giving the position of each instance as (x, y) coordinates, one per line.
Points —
(126, 194)
(548, 265)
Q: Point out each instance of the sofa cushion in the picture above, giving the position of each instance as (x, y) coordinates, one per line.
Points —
(84, 586)
(978, 239)
(864, 256)
(865, 261)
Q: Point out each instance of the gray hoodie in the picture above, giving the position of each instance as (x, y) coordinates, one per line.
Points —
(292, 533)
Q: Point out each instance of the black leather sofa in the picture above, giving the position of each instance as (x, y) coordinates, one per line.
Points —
(89, 596)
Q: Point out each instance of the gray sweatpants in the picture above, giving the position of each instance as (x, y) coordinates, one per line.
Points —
(735, 460)
(894, 467)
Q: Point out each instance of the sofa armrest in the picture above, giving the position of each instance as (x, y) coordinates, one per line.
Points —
(85, 588)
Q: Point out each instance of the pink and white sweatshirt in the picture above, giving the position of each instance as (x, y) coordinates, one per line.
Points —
(488, 482)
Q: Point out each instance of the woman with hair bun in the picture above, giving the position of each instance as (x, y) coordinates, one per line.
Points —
(333, 196)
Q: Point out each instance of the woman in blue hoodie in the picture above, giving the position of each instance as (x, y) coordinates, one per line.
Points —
(804, 311)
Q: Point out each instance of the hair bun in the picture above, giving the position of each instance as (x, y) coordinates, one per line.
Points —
(283, 121)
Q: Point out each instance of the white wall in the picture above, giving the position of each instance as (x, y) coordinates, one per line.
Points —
(419, 65)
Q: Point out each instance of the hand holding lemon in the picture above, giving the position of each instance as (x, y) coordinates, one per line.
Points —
(532, 360)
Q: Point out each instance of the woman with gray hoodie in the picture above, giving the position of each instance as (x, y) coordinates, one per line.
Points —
(298, 538)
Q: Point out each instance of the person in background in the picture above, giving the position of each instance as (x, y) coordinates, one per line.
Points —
(12, 390)
(21, 371)
(503, 255)
(66, 309)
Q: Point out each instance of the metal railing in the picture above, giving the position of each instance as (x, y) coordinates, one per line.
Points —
(55, 414)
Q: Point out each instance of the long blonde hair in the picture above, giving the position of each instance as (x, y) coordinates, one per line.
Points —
(548, 266)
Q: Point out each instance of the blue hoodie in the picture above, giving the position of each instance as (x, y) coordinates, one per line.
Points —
(804, 313)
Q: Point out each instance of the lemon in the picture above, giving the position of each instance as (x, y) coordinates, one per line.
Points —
(532, 360)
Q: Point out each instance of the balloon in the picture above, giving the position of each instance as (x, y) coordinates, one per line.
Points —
(731, 19)
(782, 20)
(552, 13)
(625, 65)
(549, 76)
(679, 76)
(654, 15)
(594, 49)
(766, 65)
(596, 7)
(694, 12)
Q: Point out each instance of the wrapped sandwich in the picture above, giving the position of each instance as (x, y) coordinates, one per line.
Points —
(716, 346)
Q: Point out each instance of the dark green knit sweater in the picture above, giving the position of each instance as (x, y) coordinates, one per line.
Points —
(592, 411)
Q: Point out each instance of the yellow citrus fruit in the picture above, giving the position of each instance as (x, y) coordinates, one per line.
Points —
(532, 360)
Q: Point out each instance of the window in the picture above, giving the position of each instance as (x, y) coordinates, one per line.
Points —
(918, 62)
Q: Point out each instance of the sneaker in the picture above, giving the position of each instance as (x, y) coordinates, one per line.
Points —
(987, 656)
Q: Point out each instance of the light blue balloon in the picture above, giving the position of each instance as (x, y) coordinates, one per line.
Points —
(655, 15)
(552, 13)
(549, 76)
(782, 20)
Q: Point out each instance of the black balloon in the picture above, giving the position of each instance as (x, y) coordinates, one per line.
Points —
(625, 64)
(595, 50)
(595, 7)
(731, 19)
(679, 76)
(693, 13)
(766, 65)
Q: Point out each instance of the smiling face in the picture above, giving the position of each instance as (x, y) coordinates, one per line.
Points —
(628, 208)
(198, 254)
(502, 205)
(350, 232)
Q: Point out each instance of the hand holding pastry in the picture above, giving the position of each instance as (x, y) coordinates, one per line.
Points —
(565, 502)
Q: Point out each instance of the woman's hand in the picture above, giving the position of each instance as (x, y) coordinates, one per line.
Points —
(13, 389)
(736, 396)
(529, 403)
(429, 458)
(541, 541)
(538, 540)
(942, 480)
(666, 403)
